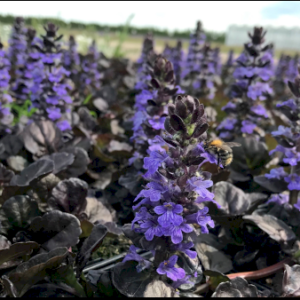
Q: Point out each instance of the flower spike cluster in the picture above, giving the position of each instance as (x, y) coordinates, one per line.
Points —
(143, 75)
(17, 46)
(29, 76)
(252, 76)
(6, 117)
(170, 207)
(54, 101)
(177, 56)
(90, 75)
(71, 60)
(149, 118)
(202, 66)
(189, 75)
(288, 139)
(152, 102)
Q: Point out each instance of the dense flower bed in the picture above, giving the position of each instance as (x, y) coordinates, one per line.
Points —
(186, 169)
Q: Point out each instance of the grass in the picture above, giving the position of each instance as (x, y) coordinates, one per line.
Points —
(127, 45)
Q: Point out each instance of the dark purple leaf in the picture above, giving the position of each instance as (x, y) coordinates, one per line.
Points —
(8, 287)
(50, 290)
(155, 83)
(294, 89)
(32, 172)
(10, 145)
(276, 229)
(96, 211)
(61, 160)
(133, 284)
(55, 229)
(42, 138)
(15, 251)
(36, 269)
(199, 130)
(197, 114)
(237, 287)
(291, 281)
(177, 124)
(169, 76)
(5, 175)
(91, 244)
(168, 126)
(101, 283)
(271, 185)
(171, 109)
(181, 109)
(233, 200)
(17, 213)
(79, 166)
(69, 196)
(209, 251)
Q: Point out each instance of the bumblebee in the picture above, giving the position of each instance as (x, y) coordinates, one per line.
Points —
(222, 150)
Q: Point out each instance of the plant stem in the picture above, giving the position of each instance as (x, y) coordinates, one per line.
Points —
(253, 275)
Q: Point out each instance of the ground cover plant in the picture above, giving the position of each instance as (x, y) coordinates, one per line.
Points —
(172, 176)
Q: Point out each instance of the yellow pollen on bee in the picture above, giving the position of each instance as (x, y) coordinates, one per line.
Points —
(165, 263)
(216, 143)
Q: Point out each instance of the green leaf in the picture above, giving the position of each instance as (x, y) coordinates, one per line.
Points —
(17, 250)
(86, 227)
(122, 36)
(215, 278)
(87, 99)
(93, 113)
(65, 274)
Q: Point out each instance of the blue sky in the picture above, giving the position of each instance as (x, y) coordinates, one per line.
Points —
(215, 15)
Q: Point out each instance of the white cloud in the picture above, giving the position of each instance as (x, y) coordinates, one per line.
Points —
(216, 16)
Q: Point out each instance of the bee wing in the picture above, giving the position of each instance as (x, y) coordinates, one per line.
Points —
(231, 144)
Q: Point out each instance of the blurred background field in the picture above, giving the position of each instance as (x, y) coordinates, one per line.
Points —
(125, 40)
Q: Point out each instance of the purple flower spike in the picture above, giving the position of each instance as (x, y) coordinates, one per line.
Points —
(169, 214)
(179, 282)
(277, 173)
(185, 248)
(286, 131)
(64, 125)
(154, 161)
(293, 181)
(250, 85)
(168, 204)
(248, 127)
(53, 113)
(289, 103)
(227, 124)
(292, 157)
(132, 255)
(151, 228)
(167, 268)
(200, 186)
(175, 231)
(201, 219)
(279, 199)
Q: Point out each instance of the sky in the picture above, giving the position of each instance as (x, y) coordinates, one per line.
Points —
(177, 15)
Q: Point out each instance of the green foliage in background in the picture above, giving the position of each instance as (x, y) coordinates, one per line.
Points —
(21, 110)
(122, 35)
(34, 21)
